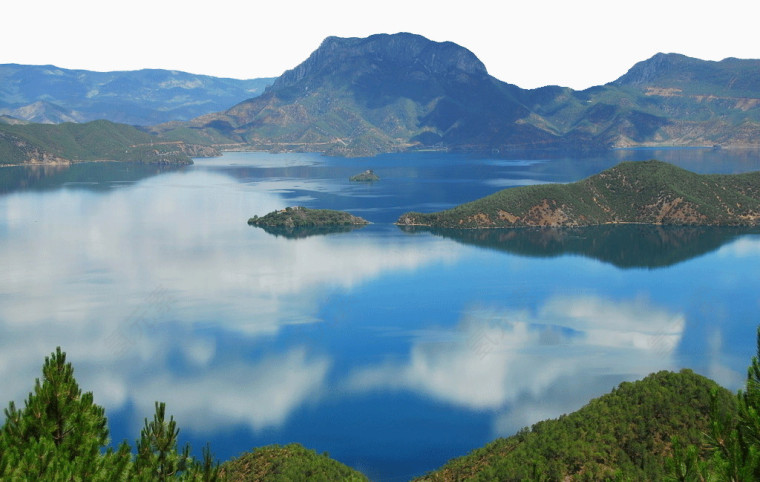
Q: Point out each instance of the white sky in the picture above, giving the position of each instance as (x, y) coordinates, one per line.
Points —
(531, 43)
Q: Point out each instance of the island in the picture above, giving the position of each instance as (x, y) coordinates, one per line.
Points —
(643, 192)
(366, 176)
(301, 217)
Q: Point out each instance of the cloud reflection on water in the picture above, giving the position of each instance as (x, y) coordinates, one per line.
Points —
(258, 395)
(81, 270)
(515, 362)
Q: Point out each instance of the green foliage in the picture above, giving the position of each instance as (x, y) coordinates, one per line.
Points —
(686, 464)
(620, 435)
(61, 434)
(735, 440)
(366, 176)
(157, 455)
(730, 449)
(275, 463)
(301, 217)
(60, 428)
(93, 141)
(649, 192)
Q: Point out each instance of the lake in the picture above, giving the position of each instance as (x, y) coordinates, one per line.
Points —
(392, 350)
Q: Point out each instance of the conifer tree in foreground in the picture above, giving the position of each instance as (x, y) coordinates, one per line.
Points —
(737, 441)
(61, 434)
(733, 444)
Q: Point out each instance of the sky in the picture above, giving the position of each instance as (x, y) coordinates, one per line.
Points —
(530, 43)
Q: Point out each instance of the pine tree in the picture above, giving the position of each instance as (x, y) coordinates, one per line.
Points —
(734, 438)
(60, 427)
(61, 435)
(158, 457)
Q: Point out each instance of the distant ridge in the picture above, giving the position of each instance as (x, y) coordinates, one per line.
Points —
(389, 93)
(51, 95)
(402, 92)
(733, 75)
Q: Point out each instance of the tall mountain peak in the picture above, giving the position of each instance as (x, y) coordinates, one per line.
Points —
(395, 92)
(405, 51)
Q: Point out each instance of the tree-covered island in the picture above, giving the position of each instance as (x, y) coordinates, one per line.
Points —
(366, 176)
(299, 216)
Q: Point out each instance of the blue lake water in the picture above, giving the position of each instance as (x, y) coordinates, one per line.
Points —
(391, 350)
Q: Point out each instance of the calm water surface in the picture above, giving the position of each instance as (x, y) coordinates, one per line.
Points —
(392, 350)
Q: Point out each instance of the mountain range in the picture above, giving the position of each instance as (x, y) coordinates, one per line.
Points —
(50, 95)
(399, 92)
(385, 93)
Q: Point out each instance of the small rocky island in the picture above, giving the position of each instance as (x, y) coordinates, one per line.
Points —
(301, 217)
(366, 176)
(648, 192)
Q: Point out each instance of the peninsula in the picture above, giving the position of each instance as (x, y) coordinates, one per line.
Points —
(648, 192)
(299, 216)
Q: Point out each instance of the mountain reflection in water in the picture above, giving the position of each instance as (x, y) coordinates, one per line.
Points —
(624, 246)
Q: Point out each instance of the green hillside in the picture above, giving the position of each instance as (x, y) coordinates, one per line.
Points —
(275, 463)
(624, 433)
(93, 141)
(649, 192)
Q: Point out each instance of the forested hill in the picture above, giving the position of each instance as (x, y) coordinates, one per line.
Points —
(93, 141)
(649, 192)
(627, 432)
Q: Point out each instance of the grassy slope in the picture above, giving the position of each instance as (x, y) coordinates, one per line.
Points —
(649, 192)
(97, 140)
(287, 463)
(626, 432)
